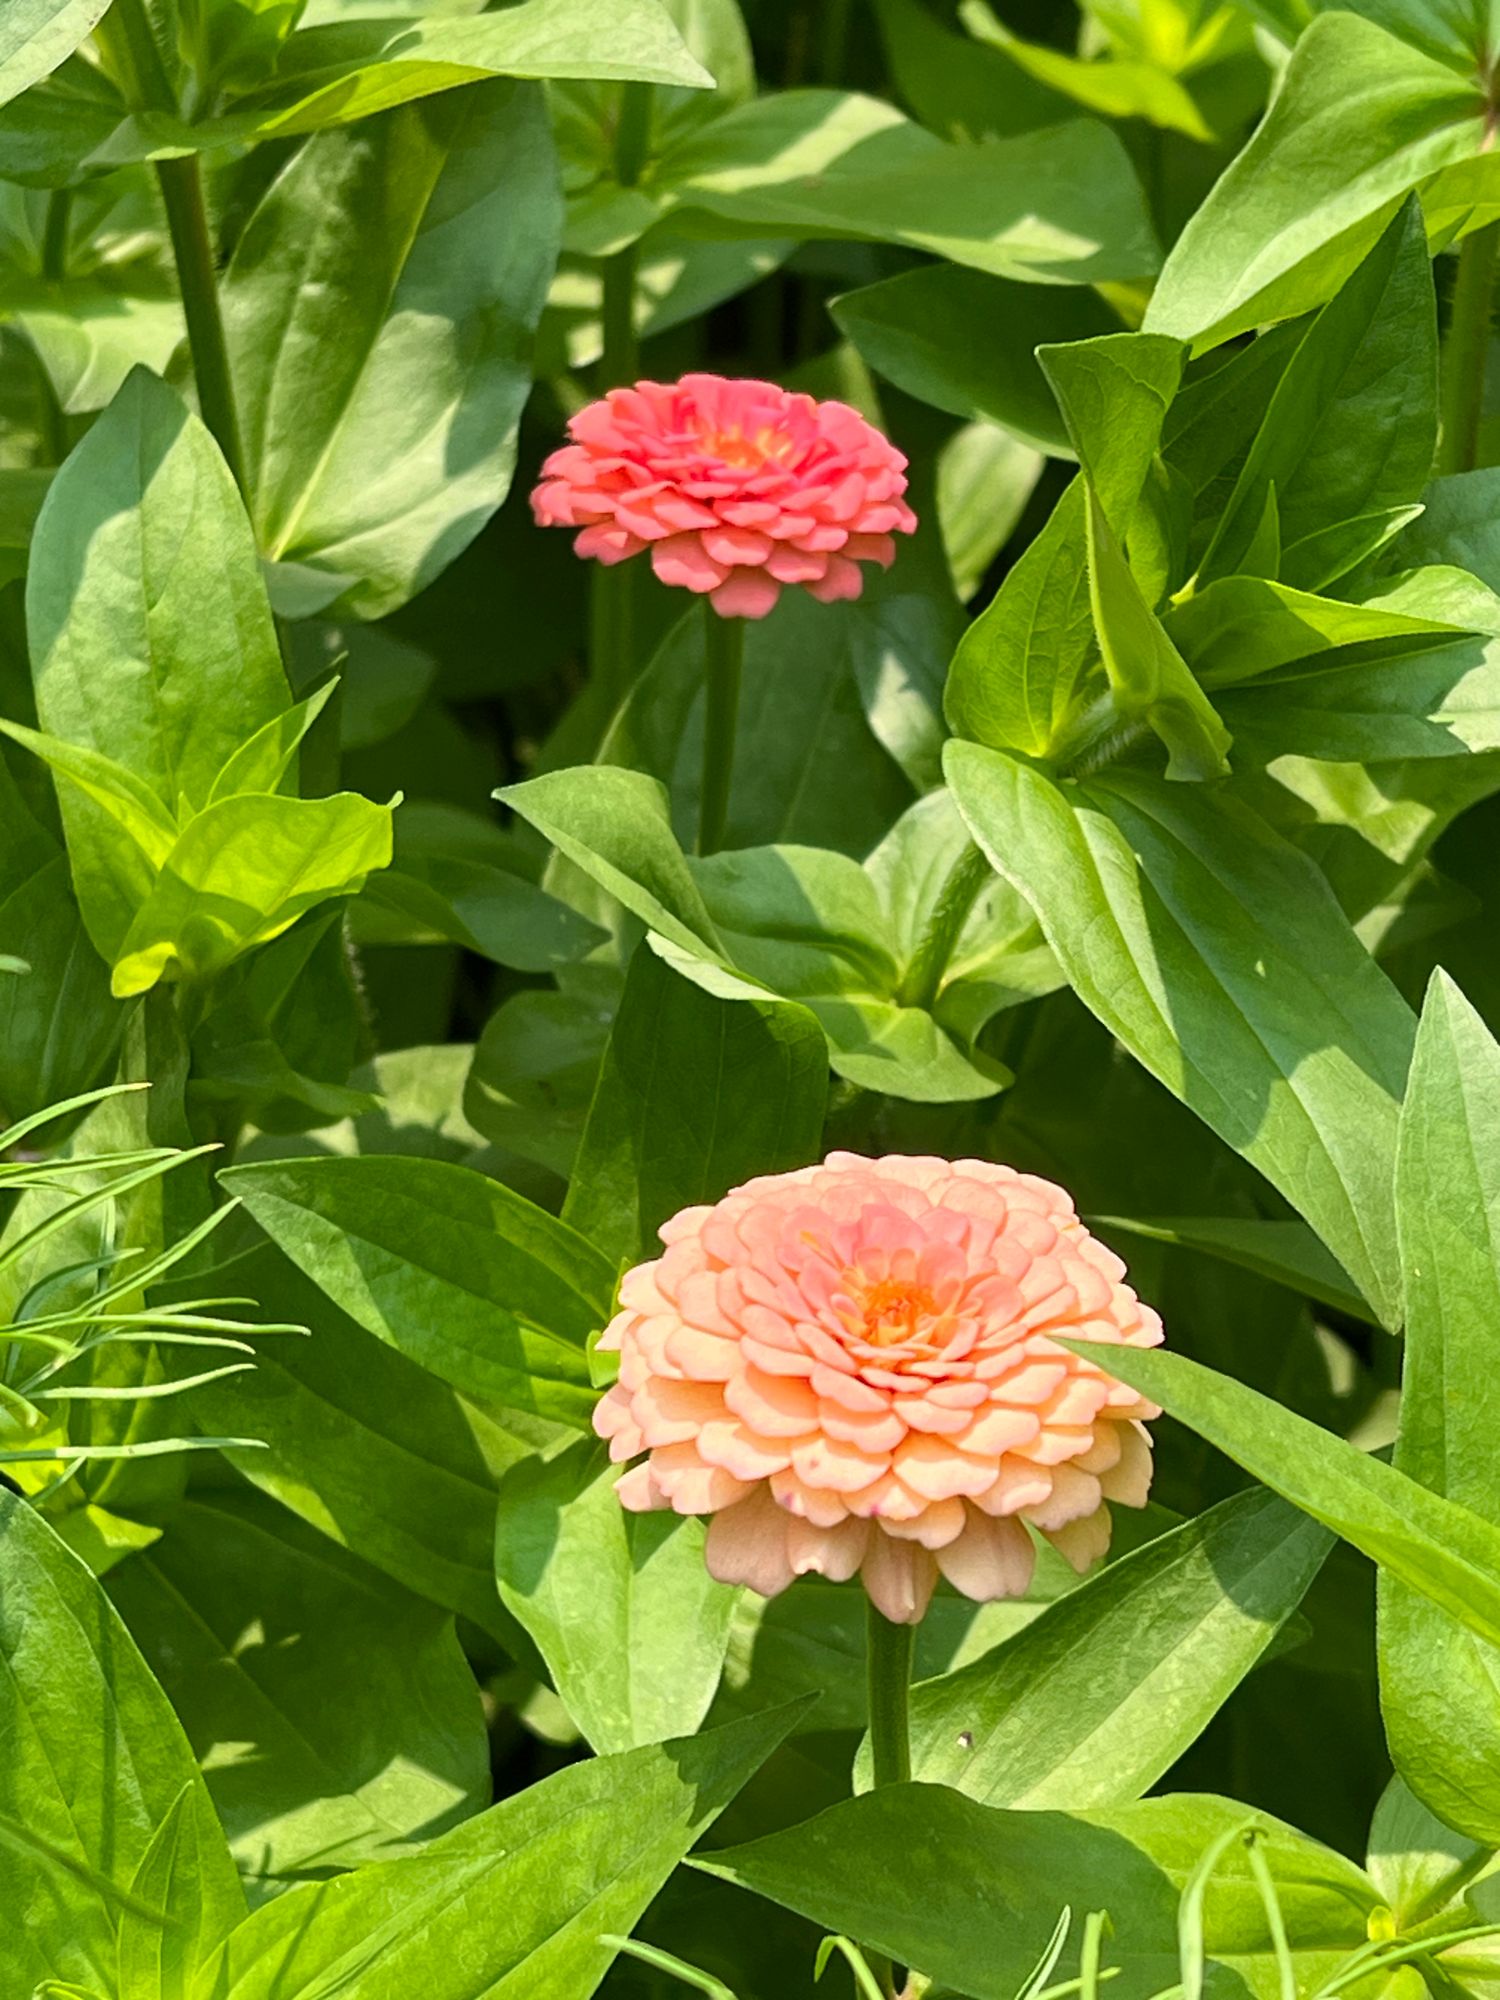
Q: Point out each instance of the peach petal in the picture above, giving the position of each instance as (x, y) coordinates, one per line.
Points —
(747, 1544)
(900, 1578)
(835, 1552)
(682, 560)
(746, 593)
(1082, 1543)
(991, 1559)
(1129, 1482)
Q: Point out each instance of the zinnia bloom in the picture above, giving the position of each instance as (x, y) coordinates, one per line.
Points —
(851, 1369)
(736, 488)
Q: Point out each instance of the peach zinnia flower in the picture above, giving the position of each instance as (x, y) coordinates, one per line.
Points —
(850, 1368)
(736, 487)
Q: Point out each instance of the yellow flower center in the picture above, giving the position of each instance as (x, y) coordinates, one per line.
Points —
(894, 1310)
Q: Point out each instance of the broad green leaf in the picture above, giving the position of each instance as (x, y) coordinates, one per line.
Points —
(151, 639)
(1459, 524)
(695, 1096)
(37, 36)
(985, 478)
(958, 86)
(88, 332)
(1240, 627)
(262, 763)
(1360, 120)
(249, 1619)
(966, 342)
(373, 1451)
(532, 1080)
(1286, 1252)
(160, 1959)
(630, 1623)
(460, 1274)
(1218, 956)
(128, 801)
(1099, 1696)
(1442, 1550)
(242, 872)
(1458, 32)
(1114, 393)
(615, 825)
(515, 1903)
(95, 1763)
(1420, 1866)
(1019, 666)
(897, 1868)
(379, 310)
(1061, 206)
(1115, 87)
(1440, 1686)
(1351, 429)
(1148, 677)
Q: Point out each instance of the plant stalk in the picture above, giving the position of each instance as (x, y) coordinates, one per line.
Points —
(54, 270)
(888, 1660)
(723, 656)
(130, 48)
(924, 976)
(1466, 359)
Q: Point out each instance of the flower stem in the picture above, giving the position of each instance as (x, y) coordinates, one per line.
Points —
(1466, 359)
(55, 270)
(130, 48)
(888, 1658)
(723, 654)
(924, 976)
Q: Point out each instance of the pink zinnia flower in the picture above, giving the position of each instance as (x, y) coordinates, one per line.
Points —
(736, 487)
(850, 1368)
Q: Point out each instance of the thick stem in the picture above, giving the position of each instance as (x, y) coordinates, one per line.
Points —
(181, 183)
(612, 627)
(723, 654)
(924, 977)
(888, 1658)
(1466, 358)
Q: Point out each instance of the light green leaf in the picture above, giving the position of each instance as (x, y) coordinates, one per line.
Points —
(160, 1955)
(1440, 1685)
(966, 342)
(262, 764)
(1285, 1252)
(517, 1902)
(1060, 207)
(1094, 1700)
(242, 872)
(1148, 676)
(1240, 627)
(1019, 667)
(897, 1868)
(151, 639)
(1113, 86)
(621, 1606)
(1359, 120)
(696, 1095)
(1218, 956)
(1114, 393)
(129, 802)
(960, 87)
(94, 1798)
(373, 1451)
(379, 311)
(249, 1617)
(1442, 1550)
(37, 36)
(460, 1274)
(1351, 429)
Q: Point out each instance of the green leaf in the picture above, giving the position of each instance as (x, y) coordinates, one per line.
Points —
(533, 1075)
(1360, 119)
(460, 1274)
(37, 36)
(1061, 206)
(379, 310)
(1351, 429)
(1240, 627)
(1148, 676)
(897, 1868)
(129, 802)
(1442, 1550)
(622, 1608)
(1114, 393)
(250, 1618)
(1018, 669)
(1459, 524)
(373, 1451)
(160, 1955)
(616, 826)
(1216, 953)
(1285, 1252)
(958, 86)
(515, 1903)
(696, 1095)
(94, 1797)
(1440, 1686)
(242, 872)
(966, 342)
(151, 639)
(1099, 1696)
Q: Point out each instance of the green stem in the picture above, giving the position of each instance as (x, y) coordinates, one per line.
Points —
(54, 270)
(130, 48)
(181, 182)
(1466, 358)
(888, 1660)
(723, 654)
(924, 976)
